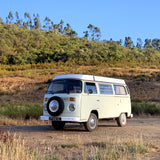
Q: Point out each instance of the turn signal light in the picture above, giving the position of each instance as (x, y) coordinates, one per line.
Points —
(72, 99)
(46, 99)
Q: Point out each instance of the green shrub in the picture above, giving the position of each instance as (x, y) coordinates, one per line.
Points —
(139, 108)
(24, 111)
(141, 77)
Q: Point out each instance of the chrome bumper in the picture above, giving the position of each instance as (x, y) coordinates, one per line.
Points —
(69, 119)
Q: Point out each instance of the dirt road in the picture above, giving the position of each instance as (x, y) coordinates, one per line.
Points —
(43, 136)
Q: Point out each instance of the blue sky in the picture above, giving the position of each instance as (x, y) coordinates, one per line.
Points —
(115, 18)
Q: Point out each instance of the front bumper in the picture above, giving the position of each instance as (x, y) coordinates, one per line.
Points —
(131, 116)
(67, 119)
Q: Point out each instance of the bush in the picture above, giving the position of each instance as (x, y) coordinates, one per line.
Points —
(24, 111)
(140, 108)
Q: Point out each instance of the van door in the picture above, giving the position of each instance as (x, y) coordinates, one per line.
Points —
(107, 101)
(89, 101)
(122, 100)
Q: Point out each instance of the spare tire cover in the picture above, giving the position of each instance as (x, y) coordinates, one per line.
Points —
(55, 106)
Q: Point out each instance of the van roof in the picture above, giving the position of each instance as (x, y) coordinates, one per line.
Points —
(90, 78)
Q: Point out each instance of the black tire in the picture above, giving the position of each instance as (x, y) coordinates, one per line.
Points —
(58, 125)
(122, 120)
(55, 106)
(92, 123)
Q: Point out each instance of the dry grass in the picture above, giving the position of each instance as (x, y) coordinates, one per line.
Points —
(28, 83)
(75, 147)
(15, 122)
(109, 149)
(49, 70)
(13, 148)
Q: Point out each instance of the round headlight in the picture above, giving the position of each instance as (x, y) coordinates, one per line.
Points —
(72, 107)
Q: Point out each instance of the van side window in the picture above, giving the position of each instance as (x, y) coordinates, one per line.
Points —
(105, 89)
(90, 88)
(119, 90)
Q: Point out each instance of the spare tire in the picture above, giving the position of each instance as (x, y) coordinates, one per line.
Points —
(55, 106)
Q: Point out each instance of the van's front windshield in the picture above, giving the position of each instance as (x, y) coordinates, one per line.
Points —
(65, 86)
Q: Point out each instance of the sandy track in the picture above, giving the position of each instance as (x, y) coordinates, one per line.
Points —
(44, 135)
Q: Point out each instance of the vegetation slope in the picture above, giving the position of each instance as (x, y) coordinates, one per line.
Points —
(28, 42)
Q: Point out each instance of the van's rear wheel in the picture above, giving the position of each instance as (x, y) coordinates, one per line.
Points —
(58, 125)
(92, 123)
(122, 120)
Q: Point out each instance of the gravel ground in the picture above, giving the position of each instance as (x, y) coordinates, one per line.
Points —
(44, 135)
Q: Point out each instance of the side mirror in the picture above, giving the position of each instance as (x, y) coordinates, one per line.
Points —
(90, 91)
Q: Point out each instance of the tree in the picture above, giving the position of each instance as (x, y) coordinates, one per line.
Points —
(148, 43)
(156, 44)
(36, 21)
(60, 26)
(48, 24)
(9, 19)
(97, 33)
(18, 21)
(68, 31)
(1, 21)
(28, 23)
(128, 43)
(72, 33)
(90, 27)
(86, 34)
(17, 15)
(120, 42)
(94, 31)
(139, 43)
(55, 26)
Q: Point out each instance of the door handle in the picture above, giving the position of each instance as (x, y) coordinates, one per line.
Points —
(98, 100)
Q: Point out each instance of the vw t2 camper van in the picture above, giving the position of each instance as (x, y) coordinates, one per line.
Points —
(86, 99)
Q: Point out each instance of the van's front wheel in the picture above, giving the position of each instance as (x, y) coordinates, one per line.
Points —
(122, 120)
(92, 123)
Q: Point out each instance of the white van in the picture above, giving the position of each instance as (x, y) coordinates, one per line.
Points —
(86, 99)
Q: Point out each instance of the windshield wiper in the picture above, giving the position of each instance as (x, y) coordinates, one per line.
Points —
(50, 92)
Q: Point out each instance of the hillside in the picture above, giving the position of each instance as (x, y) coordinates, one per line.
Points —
(20, 45)
(26, 84)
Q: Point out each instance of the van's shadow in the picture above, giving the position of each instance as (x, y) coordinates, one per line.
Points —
(49, 128)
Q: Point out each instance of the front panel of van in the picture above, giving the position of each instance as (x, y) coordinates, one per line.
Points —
(68, 99)
(67, 92)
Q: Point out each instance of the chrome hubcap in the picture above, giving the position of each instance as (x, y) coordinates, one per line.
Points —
(53, 106)
(123, 119)
(92, 123)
